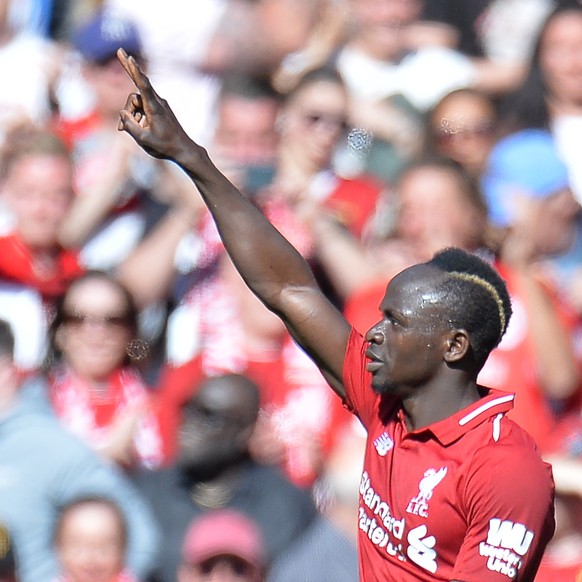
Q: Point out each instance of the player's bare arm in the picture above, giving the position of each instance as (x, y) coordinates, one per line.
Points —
(269, 264)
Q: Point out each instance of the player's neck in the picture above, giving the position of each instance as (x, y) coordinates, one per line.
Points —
(425, 407)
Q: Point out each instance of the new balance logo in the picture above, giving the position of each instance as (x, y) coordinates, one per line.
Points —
(383, 444)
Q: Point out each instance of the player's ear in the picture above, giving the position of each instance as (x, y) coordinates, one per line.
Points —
(457, 345)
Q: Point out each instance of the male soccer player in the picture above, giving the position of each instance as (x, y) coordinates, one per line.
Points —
(451, 488)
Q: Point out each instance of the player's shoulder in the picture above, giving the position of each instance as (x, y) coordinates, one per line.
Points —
(508, 448)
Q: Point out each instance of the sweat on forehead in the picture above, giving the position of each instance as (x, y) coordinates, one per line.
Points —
(415, 289)
(423, 278)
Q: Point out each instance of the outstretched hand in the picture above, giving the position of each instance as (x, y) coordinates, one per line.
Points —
(148, 118)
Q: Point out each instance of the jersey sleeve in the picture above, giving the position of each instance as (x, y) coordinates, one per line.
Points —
(360, 399)
(509, 504)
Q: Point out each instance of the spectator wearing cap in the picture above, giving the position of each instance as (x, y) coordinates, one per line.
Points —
(99, 39)
(111, 211)
(522, 168)
(223, 546)
(527, 187)
(8, 565)
(527, 190)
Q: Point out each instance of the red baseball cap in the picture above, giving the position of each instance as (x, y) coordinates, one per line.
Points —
(224, 532)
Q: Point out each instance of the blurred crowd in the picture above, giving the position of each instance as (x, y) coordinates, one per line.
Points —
(143, 388)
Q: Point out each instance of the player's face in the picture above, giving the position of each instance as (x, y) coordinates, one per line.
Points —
(407, 344)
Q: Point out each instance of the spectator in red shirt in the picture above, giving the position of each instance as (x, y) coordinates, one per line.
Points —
(37, 187)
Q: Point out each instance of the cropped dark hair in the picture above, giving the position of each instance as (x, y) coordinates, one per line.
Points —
(476, 297)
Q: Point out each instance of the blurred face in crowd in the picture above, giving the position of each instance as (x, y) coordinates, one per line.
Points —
(462, 128)
(381, 25)
(549, 225)
(558, 222)
(437, 210)
(216, 424)
(561, 58)
(313, 121)
(96, 328)
(39, 191)
(91, 543)
(245, 133)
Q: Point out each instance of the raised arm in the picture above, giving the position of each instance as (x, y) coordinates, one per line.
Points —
(268, 263)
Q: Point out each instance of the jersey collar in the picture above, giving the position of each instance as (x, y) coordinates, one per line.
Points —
(450, 429)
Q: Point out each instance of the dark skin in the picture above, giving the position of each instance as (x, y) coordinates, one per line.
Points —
(216, 426)
(281, 278)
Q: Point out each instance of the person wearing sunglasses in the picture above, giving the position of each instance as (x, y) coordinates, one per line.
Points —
(44, 468)
(462, 127)
(95, 388)
(313, 127)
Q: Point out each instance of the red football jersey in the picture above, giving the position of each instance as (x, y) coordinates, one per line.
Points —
(467, 498)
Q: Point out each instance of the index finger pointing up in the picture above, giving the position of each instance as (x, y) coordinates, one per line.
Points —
(138, 77)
